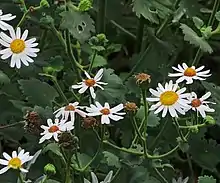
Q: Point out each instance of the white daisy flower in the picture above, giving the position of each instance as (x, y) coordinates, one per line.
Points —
(200, 104)
(69, 110)
(189, 73)
(106, 112)
(90, 83)
(53, 129)
(107, 179)
(3, 18)
(18, 48)
(16, 161)
(169, 98)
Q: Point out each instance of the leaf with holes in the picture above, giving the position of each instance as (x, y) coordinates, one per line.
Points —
(194, 39)
(80, 25)
(152, 10)
(38, 92)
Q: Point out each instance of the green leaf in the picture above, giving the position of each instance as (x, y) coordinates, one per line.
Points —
(114, 91)
(112, 159)
(206, 179)
(151, 10)
(198, 22)
(79, 24)
(99, 61)
(54, 148)
(38, 92)
(153, 119)
(194, 39)
(56, 64)
(84, 159)
(52, 181)
(4, 79)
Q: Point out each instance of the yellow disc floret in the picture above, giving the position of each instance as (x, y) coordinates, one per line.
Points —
(168, 98)
(17, 46)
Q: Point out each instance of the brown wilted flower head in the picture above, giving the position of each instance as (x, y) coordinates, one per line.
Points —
(89, 122)
(142, 77)
(33, 122)
(68, 141)
(130, 107)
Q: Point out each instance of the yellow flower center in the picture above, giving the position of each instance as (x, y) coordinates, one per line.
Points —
(190, 72)
(105, 111)
(69, 108)
(90, 82)
(53, 129)
(168, 98)
(15, 163)
(17, 46)
(196, 103)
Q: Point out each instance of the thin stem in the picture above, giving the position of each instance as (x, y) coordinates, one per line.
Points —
(59, 37)
(140, 33)
(136, 135)
(11, 125)
(134, 123)
(160, 175)
(101, 16)
(42, 38)
(56, 85)
(92, 61)
(193, 126)
(199, 52)
(20, 178)
(22, 19)
(75, 64)
(178, 130)
(190, 166)
(123, 29)
(159, 135)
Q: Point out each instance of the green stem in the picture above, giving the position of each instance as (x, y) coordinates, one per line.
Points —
(199, 52)
(56, 85)
(152, 146)
(20, 178)
(134, 123)
(160, 175)
(101, 16)
(42, 39)
(11, 125)
(75, 64)
(59, 36)
(178, 130)
(144, 96)
(123, 29)
(136, 136)
(190, 167)
(22, 19)
(92, 61)
(193, 126)
(140, 33)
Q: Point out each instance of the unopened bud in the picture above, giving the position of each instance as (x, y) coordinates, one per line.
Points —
(44, 3)
(85, 5)
(50, 169)
(130, 107)
(89, 122)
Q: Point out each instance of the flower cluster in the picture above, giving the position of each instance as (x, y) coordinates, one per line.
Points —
(173, 99)
(65, 116)
(17, 47)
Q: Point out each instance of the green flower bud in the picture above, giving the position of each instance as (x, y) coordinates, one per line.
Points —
(44, 3)
(48, 70)
(50, 169)
(85, 5)
(210, 120)
(194, 129)
(101, 37)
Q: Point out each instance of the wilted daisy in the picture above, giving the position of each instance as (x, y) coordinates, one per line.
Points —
(107, 179)
(189, 73)
(106, 112)
(16, 161)
(90, 83)
(53, 129)
(4, 18)
(200, 104)
(169, 98)
(18, 48)
(69, 110)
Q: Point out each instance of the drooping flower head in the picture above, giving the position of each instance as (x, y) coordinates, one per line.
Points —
(189, 73)
(90, 83)
(106, 112)
(5, 18)
(15, 161)
(169, 98)
(69, 110)
(200, 104)
(18, 48)
(54, 129)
